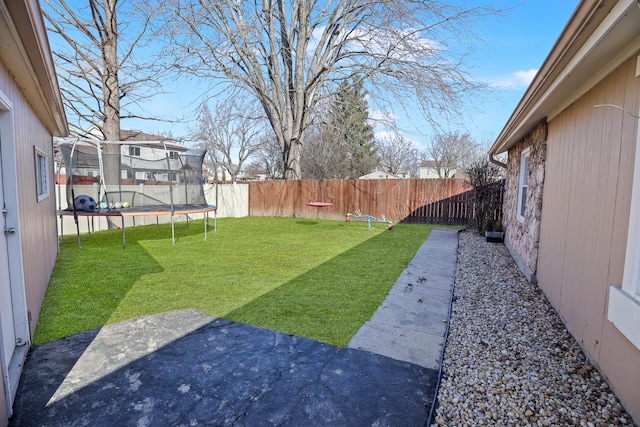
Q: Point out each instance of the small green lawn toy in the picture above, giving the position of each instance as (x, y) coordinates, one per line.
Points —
(359, 216)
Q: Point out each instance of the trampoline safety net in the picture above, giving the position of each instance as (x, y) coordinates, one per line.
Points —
(138, 176)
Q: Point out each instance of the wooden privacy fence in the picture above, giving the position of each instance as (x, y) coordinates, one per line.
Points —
(443, 201)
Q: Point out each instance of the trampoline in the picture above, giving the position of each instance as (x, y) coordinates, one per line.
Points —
(140, 178)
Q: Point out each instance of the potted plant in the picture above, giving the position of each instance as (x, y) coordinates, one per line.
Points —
(493, 231)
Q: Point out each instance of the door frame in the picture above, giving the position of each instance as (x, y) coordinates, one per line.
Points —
(11, 369)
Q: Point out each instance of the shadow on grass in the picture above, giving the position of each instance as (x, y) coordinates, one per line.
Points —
(88, 284)
(330, 303)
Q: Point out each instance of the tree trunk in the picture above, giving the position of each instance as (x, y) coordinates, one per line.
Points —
(111, 91)
(291, 159)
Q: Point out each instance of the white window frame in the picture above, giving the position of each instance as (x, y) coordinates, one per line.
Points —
(523, 184)
(134, 151)
(43, 182)
(143, 176)
(624, 301)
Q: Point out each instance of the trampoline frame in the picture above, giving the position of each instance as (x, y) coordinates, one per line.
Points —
(134, 211)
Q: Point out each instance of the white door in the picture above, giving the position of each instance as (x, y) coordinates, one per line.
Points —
(7, 329)
(14, 324)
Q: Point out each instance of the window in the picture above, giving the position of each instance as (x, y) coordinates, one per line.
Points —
(134, 151)
(42, 174)
(624, 301)
(523, 185)
(144, 176)
(174, 155)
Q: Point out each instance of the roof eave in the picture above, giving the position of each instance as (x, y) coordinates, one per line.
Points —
(599, 36)
(27, 56)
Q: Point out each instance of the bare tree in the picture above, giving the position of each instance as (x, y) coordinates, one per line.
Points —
(487, 181)
(95, 46)
(289, 54)
(397, 152)
(324, 154)
(267, 161)
(453, 151)
(233, 133)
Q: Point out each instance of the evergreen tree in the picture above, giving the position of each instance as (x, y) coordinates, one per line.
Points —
(348, 118)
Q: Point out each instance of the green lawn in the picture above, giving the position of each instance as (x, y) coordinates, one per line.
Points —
(313, 278)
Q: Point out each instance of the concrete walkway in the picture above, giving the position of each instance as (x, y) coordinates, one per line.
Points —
(411, 322)
(186, 368)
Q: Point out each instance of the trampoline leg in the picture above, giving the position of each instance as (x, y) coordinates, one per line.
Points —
(124, 242)
(173, 232)
(206, 221)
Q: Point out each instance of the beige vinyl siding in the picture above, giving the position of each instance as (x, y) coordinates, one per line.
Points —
(37, 219)
(585, 218)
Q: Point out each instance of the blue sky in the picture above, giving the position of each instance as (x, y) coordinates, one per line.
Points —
(512, 48)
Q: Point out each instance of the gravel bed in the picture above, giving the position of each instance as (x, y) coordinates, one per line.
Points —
(509, 360)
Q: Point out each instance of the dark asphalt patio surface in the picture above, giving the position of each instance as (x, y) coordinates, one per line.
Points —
(187, 368)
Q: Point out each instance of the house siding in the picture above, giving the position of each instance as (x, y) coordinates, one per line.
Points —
(522, 237)
(37, 219)
(585, 217)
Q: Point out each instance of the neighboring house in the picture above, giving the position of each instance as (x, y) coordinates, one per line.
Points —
(140, 163)
(31, 113)
(572, 202)
(432, 169)
(380, 175)
(221, 174)
(403, 173)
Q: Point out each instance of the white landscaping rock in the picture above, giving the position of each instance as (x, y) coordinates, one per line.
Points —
(509, 360)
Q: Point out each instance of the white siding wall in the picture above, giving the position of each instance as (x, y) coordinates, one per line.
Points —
(37, 219)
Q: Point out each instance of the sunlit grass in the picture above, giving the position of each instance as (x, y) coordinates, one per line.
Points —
(313, 278)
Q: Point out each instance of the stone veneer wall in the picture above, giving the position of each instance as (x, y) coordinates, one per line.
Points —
(523, 239)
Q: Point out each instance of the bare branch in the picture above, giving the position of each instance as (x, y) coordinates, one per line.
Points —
(103, 61)
(290, 55)
(233, 133)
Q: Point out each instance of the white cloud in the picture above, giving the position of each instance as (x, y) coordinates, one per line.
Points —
(518, 79)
